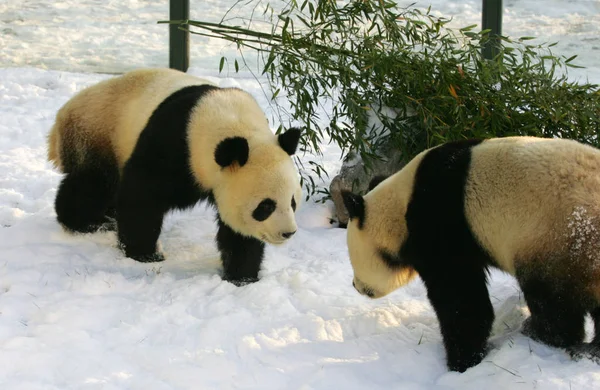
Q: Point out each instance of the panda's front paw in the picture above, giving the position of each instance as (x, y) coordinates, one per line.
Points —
(541, 330)
(535, 330)
(240, 281)
(585, 350)
(463, 363)
(151, 258)
(108, 225)
(467, 356)
(142, 255)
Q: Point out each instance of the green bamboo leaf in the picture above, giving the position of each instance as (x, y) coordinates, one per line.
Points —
(269, 61)
(303, 5)
(468, 28)
(349, 55)
(571, 58)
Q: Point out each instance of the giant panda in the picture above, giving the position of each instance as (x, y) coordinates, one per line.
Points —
(528, 206)
(135, 146)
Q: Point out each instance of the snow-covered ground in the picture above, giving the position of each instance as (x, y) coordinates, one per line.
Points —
(76, 314)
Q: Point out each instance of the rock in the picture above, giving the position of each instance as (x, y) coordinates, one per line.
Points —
(355, 176)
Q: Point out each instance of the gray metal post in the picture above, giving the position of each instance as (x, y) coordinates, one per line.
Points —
(179, 40)
(491, 17)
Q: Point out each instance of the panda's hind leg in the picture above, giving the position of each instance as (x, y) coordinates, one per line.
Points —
(557, 311)
(589, 350)
(86, 195)
(596, 318)
(140, 209)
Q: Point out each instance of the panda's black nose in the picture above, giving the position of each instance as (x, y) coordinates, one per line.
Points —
(288, 234)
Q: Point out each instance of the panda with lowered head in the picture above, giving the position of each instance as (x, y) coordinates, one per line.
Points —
(136, 146)
(528, 206)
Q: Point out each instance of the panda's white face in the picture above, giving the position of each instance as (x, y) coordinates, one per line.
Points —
(260, 198)
(376, 231)
(373, 276)
(248, 169)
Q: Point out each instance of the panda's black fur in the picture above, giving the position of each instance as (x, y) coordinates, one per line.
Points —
(97, 193)
(441, 247)
(160, 156)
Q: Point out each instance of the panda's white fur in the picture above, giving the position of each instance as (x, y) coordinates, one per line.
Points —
(270, 165)
(114, 112)
(535, 189)
(97, 132)
(531, 207)
(384, 227)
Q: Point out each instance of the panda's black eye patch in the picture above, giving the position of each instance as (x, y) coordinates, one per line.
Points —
(293, 204)
(392, 261)
(264, 209)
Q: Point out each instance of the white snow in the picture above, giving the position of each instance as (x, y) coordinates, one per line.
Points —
(76, 314)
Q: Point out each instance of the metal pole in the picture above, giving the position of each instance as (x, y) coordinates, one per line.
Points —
(491, 18)
(179, 40)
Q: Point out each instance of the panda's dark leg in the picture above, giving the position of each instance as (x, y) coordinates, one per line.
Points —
(593, 350)
(589, 350)
(110, 218)
(557, 312)
(596, 318)
(241, 255)
(84, 196)
(461, 301)
(139, 214)
(111, 210)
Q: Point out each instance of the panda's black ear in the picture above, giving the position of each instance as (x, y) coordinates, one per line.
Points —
(376, 180)
(231, 150)
(289, 140)
(355, 204)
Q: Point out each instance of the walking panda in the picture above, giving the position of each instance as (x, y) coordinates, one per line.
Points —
(136, 146)
(529, 206)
